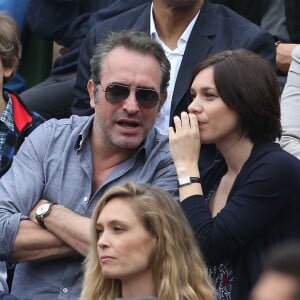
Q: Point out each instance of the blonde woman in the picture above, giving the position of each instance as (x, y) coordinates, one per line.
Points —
(142, 246)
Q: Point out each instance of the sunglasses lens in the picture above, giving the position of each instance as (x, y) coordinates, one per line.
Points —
(115, 93)
(147, 98)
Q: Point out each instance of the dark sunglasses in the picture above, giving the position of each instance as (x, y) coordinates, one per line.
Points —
(116, 92)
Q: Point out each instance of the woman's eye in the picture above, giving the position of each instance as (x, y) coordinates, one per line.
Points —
(99, 231)
(191, 98)
(118, 229)
(210, 96)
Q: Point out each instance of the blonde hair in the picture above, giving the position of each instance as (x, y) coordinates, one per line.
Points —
(178, 269)
(10, 45)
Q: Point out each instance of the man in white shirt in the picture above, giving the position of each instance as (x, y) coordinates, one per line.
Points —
(189, 31)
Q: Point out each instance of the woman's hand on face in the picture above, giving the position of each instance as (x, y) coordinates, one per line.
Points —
(185, 144)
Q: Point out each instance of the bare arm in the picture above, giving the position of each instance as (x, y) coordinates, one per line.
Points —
(284, 56)
(66, 233)
(35, 243)
(68, 226)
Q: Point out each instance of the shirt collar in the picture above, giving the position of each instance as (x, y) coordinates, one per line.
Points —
(84, 134)
(185, 35)
(7, 116)
(146, 147)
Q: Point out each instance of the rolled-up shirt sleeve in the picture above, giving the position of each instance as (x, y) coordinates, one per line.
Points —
(20, 188)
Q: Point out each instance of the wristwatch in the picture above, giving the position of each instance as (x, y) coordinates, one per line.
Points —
(42, 211)
(182, 181)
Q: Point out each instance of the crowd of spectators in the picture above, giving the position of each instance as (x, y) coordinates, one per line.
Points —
(197, 98)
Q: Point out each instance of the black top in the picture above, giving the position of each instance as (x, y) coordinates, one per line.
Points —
(262, 209)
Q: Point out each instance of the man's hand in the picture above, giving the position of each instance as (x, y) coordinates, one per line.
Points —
(284, 56)
(68, 226)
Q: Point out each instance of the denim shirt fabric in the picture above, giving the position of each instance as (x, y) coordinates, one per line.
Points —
(54, 163)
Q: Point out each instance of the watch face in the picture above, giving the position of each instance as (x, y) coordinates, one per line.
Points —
(41, 210)
(184, 180)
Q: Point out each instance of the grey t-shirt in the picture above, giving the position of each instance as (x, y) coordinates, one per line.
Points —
(274, 20)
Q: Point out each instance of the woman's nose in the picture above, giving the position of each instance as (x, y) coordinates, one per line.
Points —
(103, 240)
(195, 106)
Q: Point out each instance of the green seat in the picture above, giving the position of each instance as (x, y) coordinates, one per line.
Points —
(36, 61)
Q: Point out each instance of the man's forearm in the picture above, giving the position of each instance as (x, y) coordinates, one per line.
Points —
(35, 243)
(284, 56)
(70, 227)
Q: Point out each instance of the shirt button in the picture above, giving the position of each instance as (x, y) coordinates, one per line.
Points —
(65, 290)
(85, 199)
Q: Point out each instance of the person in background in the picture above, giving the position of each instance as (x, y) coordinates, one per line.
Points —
(17, 10)
(142, 245)
(280, 279)
(249, 199)
(67, 23)
(290, 108)
(204, 29)
(188, 31)
(63, 167)
(16, 121)
(280, 19)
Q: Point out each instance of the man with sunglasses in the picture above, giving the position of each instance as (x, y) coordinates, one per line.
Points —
(70, 163)
(189, 31)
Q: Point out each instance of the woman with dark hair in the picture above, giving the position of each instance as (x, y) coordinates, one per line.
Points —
(249, 199)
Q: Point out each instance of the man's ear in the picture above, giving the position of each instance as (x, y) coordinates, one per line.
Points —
(163, 99)
(91, 89)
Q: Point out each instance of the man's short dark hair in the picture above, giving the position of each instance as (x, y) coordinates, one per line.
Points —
(132, 40)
